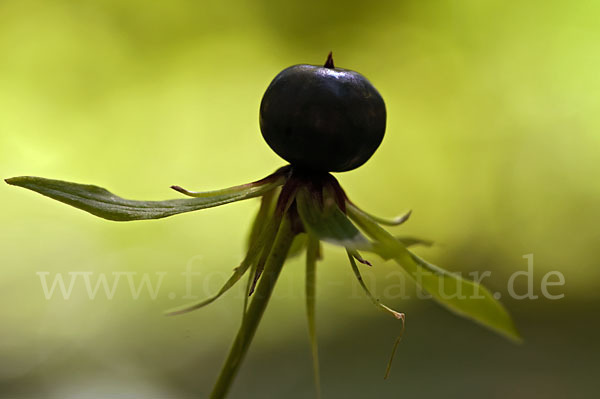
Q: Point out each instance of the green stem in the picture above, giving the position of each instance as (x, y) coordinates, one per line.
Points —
(274, 264)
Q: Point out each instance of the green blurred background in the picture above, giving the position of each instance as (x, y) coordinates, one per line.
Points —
(493, 141)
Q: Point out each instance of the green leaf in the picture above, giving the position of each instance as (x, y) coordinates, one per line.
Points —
(312, 255)
(327, 222)
(101, 202)
(463, 297)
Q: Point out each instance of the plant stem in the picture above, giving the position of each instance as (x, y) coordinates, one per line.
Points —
(261, 296)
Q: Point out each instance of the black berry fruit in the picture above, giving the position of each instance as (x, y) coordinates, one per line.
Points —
(322, 118)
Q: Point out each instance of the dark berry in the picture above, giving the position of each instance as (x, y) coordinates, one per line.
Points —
(322, 118)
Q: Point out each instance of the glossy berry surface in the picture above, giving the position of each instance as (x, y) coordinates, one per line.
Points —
(322, 118)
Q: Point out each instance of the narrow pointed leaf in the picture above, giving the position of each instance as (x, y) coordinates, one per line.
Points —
(375, 301)
(273, 180)
(267, 207)
(400, 316)
(237, 275)
(462, 296)
(284, 201)
(412, 241)
(359, 257)
(255, 250)
(102, 203)
(312, 255)
(247, 291)
(328, 222)
(259, 225)
(398, 220)
(261, 260)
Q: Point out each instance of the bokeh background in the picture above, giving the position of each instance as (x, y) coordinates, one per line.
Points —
(493, 140)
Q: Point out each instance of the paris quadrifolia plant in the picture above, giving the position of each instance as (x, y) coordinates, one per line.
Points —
(320, 119)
